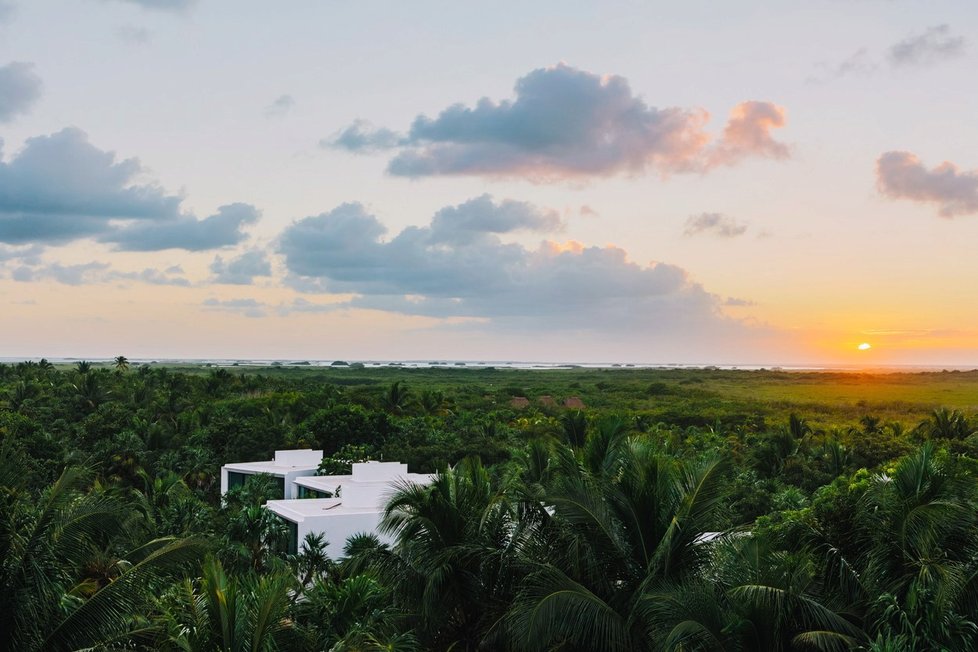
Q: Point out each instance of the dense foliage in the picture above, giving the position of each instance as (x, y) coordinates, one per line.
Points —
(667, 514)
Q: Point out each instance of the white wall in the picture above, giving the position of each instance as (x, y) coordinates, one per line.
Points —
(374, 495)
(378, 471)
(337, 528)
(291, 488)
(300, 457)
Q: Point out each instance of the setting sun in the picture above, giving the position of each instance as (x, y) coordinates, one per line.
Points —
(865, 346)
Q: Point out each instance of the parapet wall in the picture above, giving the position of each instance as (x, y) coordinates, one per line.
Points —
(379, 471)
(300, 457)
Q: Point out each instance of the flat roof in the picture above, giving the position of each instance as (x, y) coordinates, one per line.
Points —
(269, 467)
(300, 509)
(330, 482)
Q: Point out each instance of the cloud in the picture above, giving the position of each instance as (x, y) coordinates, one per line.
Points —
(134, 35)
(715, 224)
(738, 303)
(935, 44)
(859, 62)
(33, 271)
(20, 88)
(241, 270)
(30, 252)
(932, 46)
(223, 229)
(478, 218)
(281, 106)
(66, 274)
(748, 133)
(61, 188)
(557, 286)
(257, 309)
(154, 277)
(304, 306)
(247, 307)
(568, 123)
(362, 137)
(901, 175)
(163, 5)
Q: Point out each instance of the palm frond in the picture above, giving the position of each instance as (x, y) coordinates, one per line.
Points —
(110, 610)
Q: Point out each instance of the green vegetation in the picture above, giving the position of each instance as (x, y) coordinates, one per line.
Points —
(678, 510)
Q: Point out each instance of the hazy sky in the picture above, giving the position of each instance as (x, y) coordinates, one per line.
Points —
(701, 182)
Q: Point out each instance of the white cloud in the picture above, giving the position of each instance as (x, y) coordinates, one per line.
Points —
(61, 188)
(241, 270)
(558, 286)
(566, 123)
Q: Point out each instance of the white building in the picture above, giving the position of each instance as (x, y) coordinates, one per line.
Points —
(286, 466)
(357, 503)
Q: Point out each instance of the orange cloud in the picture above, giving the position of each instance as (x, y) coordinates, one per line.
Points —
(748, 133)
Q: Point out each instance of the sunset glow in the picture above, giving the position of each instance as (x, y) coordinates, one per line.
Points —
(576, 200)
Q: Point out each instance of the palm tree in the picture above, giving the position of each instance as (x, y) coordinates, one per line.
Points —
(836, 457)
(46, 600)
(396, 398)
(774, 450)
(748, 596)
(90, 393)
(121, 363)
(311, 562)
(167, 505)
(574, 425)
(352, 614)
(621, 532)
(871, 425)
(604, 444)
(450, 561)
(433, 402)
(228, 614)
(902, 560)
(254, 534)
(798, 427)
(947, 424)
(925, 560)
(20, 395)
(83, 366)
(254, 537)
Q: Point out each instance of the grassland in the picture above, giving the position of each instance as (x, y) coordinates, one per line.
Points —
(696, 396)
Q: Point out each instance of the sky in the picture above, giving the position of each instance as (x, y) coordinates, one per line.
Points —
(744, 183)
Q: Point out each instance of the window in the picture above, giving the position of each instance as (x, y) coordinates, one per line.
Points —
(306, 492)
(236, 479)
(291, 537)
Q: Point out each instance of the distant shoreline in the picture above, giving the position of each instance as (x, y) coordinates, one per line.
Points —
(498, 364)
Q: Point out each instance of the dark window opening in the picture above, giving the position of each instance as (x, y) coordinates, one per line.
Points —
(236, 480)
(291, 537)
